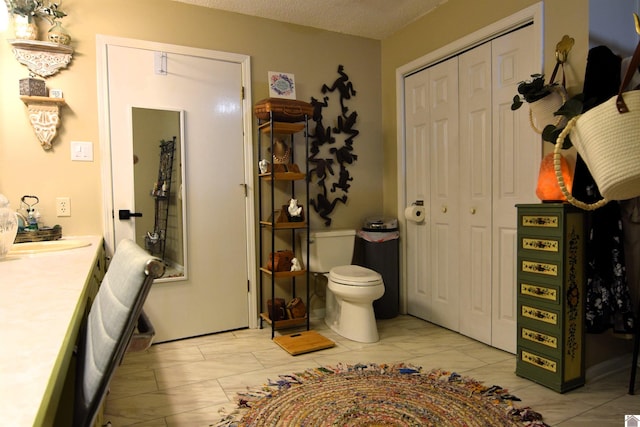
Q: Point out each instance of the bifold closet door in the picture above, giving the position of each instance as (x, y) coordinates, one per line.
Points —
(471, 160)
(475, 192)
(517, 151)
(432, 176)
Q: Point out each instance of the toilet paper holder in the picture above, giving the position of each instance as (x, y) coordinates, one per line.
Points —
(415, 212)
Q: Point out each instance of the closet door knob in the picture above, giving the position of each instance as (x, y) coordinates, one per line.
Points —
(444, 209)
(473, 211)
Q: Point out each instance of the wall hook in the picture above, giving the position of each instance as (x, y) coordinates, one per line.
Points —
(563, 47)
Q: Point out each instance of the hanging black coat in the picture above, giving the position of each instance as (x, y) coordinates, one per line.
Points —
(608, 303)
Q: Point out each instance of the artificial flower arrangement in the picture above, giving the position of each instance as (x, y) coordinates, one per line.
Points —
(32, 9)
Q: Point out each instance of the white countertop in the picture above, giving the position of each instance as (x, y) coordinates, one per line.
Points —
(41, 297)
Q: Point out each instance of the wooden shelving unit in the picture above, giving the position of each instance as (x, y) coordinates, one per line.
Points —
(284, 324)
(271, 223)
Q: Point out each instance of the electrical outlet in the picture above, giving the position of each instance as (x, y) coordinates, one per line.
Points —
(63, 206)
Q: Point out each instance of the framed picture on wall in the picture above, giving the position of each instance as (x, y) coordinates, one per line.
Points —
(282, 85)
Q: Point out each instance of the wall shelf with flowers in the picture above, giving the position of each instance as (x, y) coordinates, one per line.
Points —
(43, 58)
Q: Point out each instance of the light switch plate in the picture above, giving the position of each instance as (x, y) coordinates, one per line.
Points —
(82, 151)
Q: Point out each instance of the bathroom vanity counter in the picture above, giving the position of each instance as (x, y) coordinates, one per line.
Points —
(43, 301)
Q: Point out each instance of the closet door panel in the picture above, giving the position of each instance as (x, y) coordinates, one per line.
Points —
(516, 159)
(444, 197)
(475, 192)
(419, 281)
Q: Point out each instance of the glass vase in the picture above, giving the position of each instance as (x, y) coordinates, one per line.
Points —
(58, 34)
(8, 226)
(25, 28)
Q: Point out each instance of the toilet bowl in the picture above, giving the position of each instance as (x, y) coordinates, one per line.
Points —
(351, 289)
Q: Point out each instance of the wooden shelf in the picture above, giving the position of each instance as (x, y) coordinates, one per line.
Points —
(281, 128)
(283, 273)
(44, 115)
(42, 99)
(41, 46)
(284, 225)
(42, 58)
(289, 323)
(283, 176)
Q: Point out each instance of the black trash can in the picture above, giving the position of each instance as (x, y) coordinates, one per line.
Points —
(377, 247)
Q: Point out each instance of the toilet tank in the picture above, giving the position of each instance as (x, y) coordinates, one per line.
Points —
(328, 249)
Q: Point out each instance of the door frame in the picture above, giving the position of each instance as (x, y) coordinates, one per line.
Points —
(533, 14)
(102, 41)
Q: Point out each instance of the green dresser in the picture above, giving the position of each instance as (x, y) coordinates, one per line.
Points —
(551, 291)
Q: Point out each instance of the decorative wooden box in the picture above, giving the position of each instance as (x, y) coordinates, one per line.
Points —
(32, 87)
(551, 293)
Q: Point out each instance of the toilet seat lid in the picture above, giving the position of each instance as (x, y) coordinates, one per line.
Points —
(355, 275)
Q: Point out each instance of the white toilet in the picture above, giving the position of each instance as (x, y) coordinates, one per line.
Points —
(351, 289)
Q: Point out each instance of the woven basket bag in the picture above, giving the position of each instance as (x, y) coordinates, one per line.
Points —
(608, 139)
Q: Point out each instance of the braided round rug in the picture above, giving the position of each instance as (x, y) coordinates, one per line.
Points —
(378, 396)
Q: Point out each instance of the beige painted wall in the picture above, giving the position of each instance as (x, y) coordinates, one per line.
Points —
(312, 55)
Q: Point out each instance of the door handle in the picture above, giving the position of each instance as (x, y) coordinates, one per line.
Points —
(127, 214)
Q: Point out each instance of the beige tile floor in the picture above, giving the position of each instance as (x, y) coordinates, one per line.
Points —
(187, 382)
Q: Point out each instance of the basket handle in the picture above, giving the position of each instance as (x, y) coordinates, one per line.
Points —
(559, 63)
(631, 69)
(556, 166)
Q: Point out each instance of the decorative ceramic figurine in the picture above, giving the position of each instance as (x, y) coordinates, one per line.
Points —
(295, 265)
(263, 165)
(294, 209)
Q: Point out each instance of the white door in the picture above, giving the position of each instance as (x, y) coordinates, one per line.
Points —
(443, 165)
(432, 140)
(517, 152)
(475, 193)
(418, 189)
(214, 296)
(461, 261)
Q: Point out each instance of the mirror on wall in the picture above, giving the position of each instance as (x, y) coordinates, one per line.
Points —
(158, 187)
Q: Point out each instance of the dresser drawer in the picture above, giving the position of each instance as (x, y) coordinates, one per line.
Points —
(537, 292)
(539, 318)
(543, 342)
(557, 374)
(539, 368)
(542, 247)
(545, 270)
(544, 363)
(537, 223)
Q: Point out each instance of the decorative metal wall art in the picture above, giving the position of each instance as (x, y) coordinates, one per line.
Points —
(341, 154)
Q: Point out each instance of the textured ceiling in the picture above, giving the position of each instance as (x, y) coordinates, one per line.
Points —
(376, 19)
